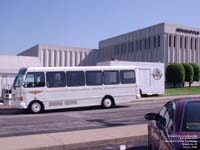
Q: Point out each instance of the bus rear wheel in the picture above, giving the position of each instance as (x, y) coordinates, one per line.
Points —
(108, 102)
(36, 107)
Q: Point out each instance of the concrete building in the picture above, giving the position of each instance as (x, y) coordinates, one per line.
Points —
(158, 43)
(57, 56)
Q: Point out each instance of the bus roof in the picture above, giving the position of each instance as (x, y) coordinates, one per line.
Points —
(77, 68)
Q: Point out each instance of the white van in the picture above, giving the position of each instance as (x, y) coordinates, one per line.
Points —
(151, 79)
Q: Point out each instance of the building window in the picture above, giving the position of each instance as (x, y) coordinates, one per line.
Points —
(140, 44)
(137, 45)
(122, 47)
(66, 58)
(185, 42)
(154, 41)
(145, 43)
(115, 50)
(55, 58)
(191, 43)
(60, 57)
(125, 47)
(118, 49)
(149, 42)
(174, 41)
(71, 61)
(158, 42)
(133, 46)
(170, 40)
(129, 46)
(49, 62)
(181, 41)
(195, 44)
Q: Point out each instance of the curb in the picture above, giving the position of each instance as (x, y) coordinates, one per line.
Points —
(163, 98)
(134, 140)
(136, 135)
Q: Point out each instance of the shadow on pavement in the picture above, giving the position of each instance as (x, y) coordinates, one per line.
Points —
(13, 111)
(138, 148)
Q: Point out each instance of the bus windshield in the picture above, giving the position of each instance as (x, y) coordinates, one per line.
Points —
(19, 78)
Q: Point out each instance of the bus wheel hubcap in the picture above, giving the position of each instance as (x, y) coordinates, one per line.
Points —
(36, 107)
(107, 103)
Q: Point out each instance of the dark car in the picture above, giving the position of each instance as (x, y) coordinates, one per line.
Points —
(176, 126)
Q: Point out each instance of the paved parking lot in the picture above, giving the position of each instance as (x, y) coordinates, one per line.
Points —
(18, 122)
(15, 122)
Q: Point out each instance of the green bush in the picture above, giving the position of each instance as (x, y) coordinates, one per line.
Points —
(175, 73)
(196, 71)
(189, 73)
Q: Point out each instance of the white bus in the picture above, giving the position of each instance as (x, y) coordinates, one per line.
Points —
(42, 88)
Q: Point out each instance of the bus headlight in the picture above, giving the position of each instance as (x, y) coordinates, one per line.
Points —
(21, 98)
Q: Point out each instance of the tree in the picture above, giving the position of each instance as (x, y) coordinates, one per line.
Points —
(175, 73)
(189, 73)
(196, 71)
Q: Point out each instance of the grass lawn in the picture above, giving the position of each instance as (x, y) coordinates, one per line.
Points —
(182, 91)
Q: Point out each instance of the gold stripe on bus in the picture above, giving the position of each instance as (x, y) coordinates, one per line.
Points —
(35, 92)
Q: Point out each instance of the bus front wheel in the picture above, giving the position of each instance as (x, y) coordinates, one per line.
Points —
(36, 107)
(108, 102)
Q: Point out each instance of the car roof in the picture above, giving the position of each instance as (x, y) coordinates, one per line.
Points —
(184, 100)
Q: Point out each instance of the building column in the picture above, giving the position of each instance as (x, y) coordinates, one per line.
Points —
(65, 60)
(198, 51)
(46, 56)
(78, 58)
(42, 57)
(62, 58)
(81, 57)
(178, 52)
(52, 58)
(193, 50)
(68, 58)
(49, 63)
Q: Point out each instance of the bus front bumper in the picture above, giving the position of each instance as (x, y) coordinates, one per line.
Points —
(17, 104)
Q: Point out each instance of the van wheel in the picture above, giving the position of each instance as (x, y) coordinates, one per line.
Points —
(108, 102)
(36, 107)
(141, 95)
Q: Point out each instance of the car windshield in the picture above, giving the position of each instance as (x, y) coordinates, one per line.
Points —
(191, 120)
(19, 78)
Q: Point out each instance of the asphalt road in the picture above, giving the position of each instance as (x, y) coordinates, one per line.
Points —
(14, 122)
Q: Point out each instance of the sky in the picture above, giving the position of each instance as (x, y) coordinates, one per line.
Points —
(83, 23)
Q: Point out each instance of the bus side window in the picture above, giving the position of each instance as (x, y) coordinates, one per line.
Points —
(75, 78)
(34, 79)
(56, 79)
(111, 77)
(94, 78)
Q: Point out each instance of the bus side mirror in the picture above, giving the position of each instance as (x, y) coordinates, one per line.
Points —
(25, 85)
